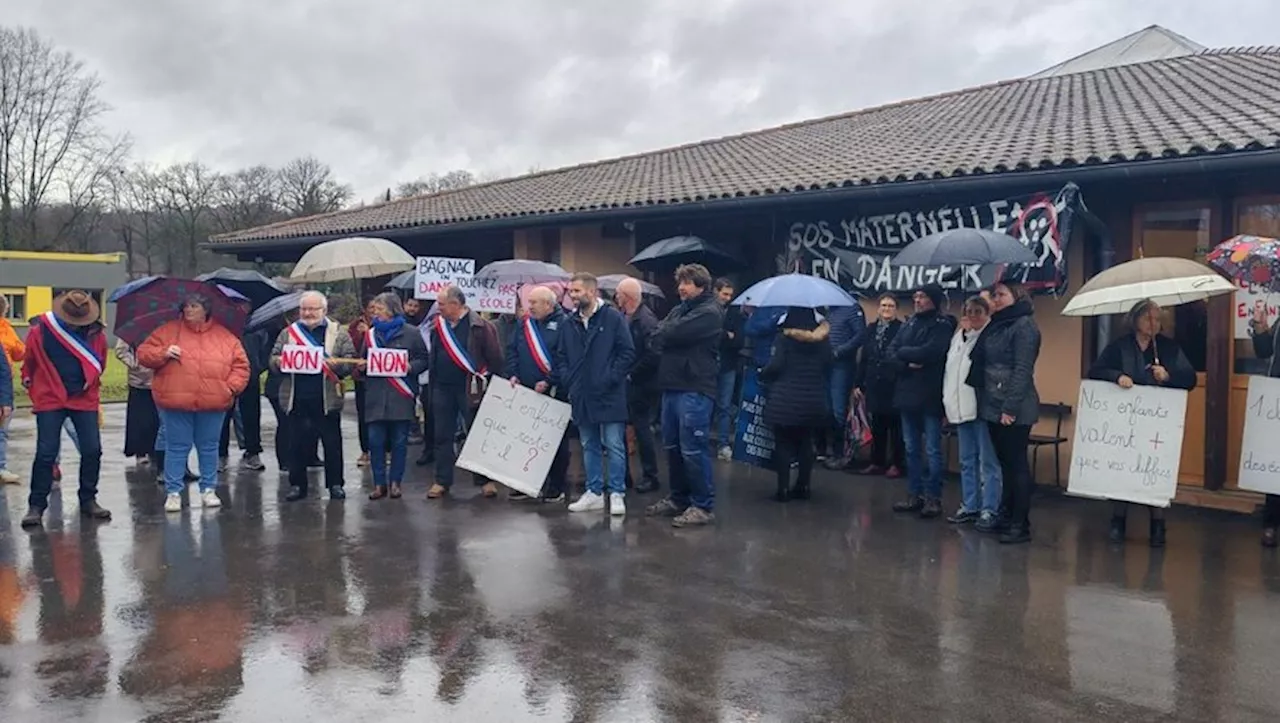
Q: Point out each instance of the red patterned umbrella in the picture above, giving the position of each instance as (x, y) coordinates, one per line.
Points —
(151, 305)
(1251, 261)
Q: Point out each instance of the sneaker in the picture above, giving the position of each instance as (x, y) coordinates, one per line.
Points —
(617, 504)
(253, 463)
(588, 502)
(663, 508)
(517, 496)
(913, 503)
(222, 464)
(9, 478)
(932, 508)
(172, 503)
(693, 517)
(963, 517)
(209, 499)
(986, 522)
(551, 497)
(726, 454)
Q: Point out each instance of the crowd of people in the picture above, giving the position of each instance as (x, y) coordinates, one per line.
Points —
(914, 381)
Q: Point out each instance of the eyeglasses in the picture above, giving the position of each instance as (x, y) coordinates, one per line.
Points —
(310, 308)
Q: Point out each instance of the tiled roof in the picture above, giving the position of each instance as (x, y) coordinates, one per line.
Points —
(1219, 101)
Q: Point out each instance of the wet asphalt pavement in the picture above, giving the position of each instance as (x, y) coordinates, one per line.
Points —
(486, 610)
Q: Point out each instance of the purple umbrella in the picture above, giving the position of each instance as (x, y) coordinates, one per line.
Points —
(523, 271)
(150, 306)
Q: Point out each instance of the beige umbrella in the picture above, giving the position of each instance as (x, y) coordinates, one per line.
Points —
(1167, 281)
(358, 257)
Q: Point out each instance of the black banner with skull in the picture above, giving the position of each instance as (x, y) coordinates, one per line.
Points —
(857, 251)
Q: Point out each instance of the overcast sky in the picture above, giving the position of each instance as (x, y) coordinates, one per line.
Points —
(389, 90)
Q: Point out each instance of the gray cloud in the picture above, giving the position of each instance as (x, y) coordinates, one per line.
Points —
(392, 90)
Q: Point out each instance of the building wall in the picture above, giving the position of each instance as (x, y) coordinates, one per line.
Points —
(34, 278)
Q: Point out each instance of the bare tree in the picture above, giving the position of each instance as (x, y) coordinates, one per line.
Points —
(84, 186)
(435, 183)
(49, 113)
(249, 197)
(186, 193)
(307, 187)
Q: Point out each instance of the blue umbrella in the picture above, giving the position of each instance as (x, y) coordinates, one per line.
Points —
(402, 282)
(965, 247)
(129, 288)
(809, 292)
(274, 309)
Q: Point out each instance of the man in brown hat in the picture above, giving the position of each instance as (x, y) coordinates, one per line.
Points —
(62, 371)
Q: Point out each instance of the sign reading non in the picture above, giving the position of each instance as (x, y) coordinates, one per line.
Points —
(515, 436)
(1128, 443)
(436, 272)
(1259, 453)
(753, 444)
(387, 363)
(299, 359)
(856, 251)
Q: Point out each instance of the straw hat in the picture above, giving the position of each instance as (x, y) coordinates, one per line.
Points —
(77, 308)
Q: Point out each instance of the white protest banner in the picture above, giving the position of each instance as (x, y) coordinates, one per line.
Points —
(436, 272)
(1259, 453)
(1128, 443)
(387, 363)
(299, 359)
(515, 436)
(498, 298)
(473, 288)
(1248, 299)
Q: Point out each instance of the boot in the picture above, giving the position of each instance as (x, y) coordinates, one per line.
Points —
(95, 511)
(157, 464)
(1157, 533)
(1016, 535)
(932, 508)
(1117, 529)
(913, 503)
(800, 491)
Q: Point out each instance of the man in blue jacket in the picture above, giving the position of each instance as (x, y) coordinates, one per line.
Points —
(596, 354)
(848, 328)
(532, 349)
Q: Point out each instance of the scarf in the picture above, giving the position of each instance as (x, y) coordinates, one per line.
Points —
(882, 333)
(388, 328)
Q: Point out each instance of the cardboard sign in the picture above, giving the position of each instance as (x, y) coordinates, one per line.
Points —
(515, 436)
(754, 443)
(1259, 453)
(1128, 443)
(1248, 299)
(298, 359)
(434, 273)
(387, 363)
(498, 298)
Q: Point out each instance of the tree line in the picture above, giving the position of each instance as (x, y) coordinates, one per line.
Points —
(67, 183)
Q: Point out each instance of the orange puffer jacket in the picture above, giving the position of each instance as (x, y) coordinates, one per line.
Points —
(210, 375)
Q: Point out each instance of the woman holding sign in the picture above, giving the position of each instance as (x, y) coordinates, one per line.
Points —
(1264, 347)
(395, 356)
(1143, 357)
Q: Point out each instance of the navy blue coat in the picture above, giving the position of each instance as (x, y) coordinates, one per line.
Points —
(6, 381)
(596, 359)
(520, 363)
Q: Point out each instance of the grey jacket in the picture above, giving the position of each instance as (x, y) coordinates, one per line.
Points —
(382, 403)
(1009, 347)
(337, 344)
(139, 376)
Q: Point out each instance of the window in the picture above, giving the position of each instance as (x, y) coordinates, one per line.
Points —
(15, 307)
(1183, 232)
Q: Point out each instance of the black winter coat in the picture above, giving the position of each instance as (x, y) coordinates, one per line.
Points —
(643, 379)
(1123, 357)
(689, 342)
(919, 355)
(519, 355)
(1004, 366)
(795, 382)
(382, 402)
(876, 373)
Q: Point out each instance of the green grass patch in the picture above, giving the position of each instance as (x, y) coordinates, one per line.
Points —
(115, 383)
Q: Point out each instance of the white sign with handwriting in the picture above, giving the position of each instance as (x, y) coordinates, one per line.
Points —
(1259, 452)
(299, 359)
(434, 273)
(515, 436)
(1128, 443)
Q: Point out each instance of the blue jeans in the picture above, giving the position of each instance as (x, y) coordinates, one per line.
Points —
(182, 431)
(979, 468)
(49, 444)
(686, 435)
(598, 440)
(726, 383)
(4, 442)
(924, 475)
(384, 437)
(70, 429)
(841, 387)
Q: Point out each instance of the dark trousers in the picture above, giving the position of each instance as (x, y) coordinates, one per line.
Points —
(284, 450)
(48, 446)
(1271, 511)
(793, 444)
(1011, 449)
(886, 433)
(641, 410)
(360, 423)
(447, 404)
(307, 423)
(251, 417)
(428, 420)
(557, 478)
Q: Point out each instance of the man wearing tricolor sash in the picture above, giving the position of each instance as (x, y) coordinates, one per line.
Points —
(314, 401)
(532, 350)
(464, 353)
(62, 371)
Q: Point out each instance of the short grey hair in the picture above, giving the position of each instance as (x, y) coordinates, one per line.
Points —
(453, 293)
(391, 300)
(543, 293)
(313, 294)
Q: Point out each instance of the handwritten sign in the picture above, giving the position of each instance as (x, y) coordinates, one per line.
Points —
(434, 273)
(515, 436)
(299, 359)
(1259, 453)
(498, 298)
(1128, 443)
(1248, 299)
(753, 443)
(387, 363)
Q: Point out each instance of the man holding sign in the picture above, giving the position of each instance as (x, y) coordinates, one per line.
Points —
(311, 391)
(395, 355)
(531, 360)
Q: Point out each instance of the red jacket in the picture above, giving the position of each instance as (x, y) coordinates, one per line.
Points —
(41, 379)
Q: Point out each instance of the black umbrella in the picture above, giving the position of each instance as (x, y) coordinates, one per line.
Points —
(255, 287)
(678, 250)
(965, 247)
(402, 282)
(273, 309)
